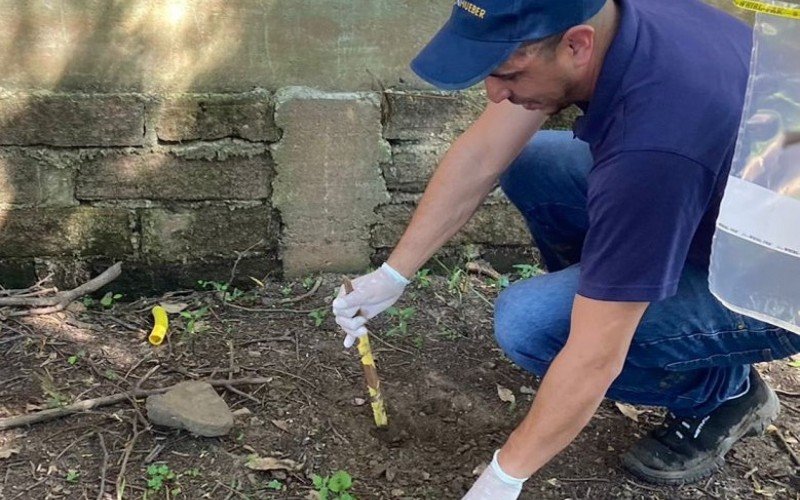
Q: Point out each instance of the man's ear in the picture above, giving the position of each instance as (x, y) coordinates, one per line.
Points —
(579, 41)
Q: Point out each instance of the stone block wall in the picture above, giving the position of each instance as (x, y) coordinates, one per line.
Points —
(181, 187)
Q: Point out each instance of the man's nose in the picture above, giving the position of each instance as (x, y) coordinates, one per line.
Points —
(496, 90)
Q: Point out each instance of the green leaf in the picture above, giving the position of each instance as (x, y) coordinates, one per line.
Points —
(275, 485)
(795, 363)
(340, 482)
(107, 300)
(346, 496)
(318, 481)
(72, 359)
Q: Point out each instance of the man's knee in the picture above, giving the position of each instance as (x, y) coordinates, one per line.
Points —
(531, 325)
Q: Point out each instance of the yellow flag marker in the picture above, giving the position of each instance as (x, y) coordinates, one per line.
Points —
(160, 326)
(370, 373)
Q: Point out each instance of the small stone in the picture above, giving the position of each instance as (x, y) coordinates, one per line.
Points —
(194, 406)
(242, 412)
(391, 474)
(397, 492)
(488, 365)
(254, 354)
(527, 390)
(359, 402)
(426, 476)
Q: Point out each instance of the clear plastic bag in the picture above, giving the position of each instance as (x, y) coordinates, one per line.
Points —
(755, 257)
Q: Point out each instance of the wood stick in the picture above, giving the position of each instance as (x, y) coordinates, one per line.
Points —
(60, 300)
(370, 373)
(88, 404)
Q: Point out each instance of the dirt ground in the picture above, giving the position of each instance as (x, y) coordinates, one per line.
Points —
(441, 371)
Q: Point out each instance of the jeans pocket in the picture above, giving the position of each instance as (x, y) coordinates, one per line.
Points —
(724, 360)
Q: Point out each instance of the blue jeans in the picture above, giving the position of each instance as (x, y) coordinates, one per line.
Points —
(689, 352)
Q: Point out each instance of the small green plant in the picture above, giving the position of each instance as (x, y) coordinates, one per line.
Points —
(88, 302)
(193, 319)
(318, 315)
(499, 283)
(526, 271)
(450, 334)
(73, 360)
(795, 363)
(158, 475)
(457, 281)
(222, 289)
(109, 299)
(308, 282)
(287, 290)
(334, 487)
(401, 316)
(423, 278)
(72, 476)
(276, 485)
(193, 472)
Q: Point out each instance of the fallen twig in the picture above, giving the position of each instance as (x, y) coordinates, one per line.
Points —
(309, 293)
(88, 404)
(474, 267)
(47, 305)
(104, 467)
(777, 432)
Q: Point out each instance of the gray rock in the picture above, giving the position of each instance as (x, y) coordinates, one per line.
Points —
(194, 406)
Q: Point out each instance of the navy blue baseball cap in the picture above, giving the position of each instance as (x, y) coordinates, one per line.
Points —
(482, 34)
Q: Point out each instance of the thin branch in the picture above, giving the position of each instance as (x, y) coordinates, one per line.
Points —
(88, 404)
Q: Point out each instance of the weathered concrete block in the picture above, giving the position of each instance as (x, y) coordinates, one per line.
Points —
(493, 224)
(413, 164)
(243, 116)
(31, 182)
(71, 120)
(188, 234)
(420, 115)
(166, 176)
(328, 179)
(66, 231)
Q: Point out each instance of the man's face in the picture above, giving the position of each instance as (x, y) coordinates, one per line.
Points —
(534, 80)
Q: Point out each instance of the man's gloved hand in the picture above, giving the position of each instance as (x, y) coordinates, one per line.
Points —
(372, 294)
(494, 484)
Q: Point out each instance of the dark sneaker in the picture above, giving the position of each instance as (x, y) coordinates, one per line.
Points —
(684, 450)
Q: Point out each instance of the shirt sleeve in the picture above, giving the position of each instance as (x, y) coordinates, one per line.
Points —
(644, 209)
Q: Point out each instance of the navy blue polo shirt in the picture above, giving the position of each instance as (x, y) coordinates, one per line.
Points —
(661, 126)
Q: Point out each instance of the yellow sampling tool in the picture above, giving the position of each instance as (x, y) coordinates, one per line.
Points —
(160, 326)
(370, 373)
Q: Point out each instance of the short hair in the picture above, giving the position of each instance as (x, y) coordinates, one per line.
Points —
(543, 46)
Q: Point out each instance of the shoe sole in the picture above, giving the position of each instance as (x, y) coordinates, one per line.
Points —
(753, 426)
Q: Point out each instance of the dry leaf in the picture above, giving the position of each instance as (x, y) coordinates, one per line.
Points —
(270, 463)
(629, 411)
(173, 307)
(506, 395)
(527, 390)
(281, 424)
(7, 452)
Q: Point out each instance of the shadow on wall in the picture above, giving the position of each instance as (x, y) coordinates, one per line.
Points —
(78, 124)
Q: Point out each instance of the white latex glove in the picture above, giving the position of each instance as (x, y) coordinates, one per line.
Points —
(372, 294)
(494, 484)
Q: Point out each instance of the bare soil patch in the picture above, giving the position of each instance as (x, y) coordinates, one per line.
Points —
(439, 366)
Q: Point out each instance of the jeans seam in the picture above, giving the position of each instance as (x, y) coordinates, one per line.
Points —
(715, 333)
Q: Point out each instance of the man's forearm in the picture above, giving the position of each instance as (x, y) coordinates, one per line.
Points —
(575, 383)
(567, 398)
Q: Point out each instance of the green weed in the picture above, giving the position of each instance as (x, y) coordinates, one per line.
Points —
(423, 278)
(334, 487)
(73, 360)
(318, 315)
(401, 317)
(109, 299)
(223, 290)
(526, 271)
(158, 475)
(193, 323)
(72, 476)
